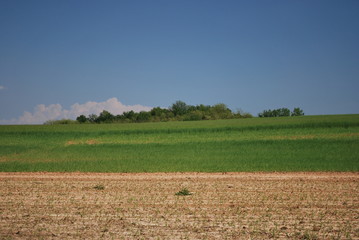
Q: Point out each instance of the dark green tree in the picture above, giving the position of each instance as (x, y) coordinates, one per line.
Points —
(143, 117)
(131, 115)
(105, 116)
(297, 112)
(283, 112)
(81, 119)
(92, 118)
(179, 108)
(157, 111)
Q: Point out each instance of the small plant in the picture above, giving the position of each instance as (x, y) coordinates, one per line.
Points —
(99, 187)
(183, 192)
(309, 236)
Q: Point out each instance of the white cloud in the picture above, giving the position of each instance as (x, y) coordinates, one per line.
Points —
(43, 113)
(2, 87)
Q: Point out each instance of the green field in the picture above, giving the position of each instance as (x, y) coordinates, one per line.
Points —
(308, 143)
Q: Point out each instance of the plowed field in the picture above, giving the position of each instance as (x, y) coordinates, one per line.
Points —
(144, 206)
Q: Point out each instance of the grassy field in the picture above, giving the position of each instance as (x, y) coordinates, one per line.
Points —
(309, 143)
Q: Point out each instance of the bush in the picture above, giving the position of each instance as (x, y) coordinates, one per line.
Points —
(221, 111)
(62, 121)
(242, 114)
(99, 187)
(281, 112)
(194, 116)
(183, 192)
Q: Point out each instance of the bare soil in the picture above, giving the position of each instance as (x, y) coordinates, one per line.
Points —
(144, 206)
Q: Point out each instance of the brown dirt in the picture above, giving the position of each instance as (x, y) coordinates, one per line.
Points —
(89, 142)
(144, 206)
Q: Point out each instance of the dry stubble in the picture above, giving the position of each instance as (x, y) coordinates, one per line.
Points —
(144, 206)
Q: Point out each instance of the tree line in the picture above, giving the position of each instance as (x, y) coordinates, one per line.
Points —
(178, 111)
(281, 112)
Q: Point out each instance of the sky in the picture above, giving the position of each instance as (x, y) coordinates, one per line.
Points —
(63, 58)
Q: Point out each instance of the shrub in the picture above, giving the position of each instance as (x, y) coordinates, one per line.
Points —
(62, 121)
(193, 116)
(99, 187)
(281, 112)
(183, 192)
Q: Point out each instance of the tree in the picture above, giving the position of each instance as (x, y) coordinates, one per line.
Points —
(179, 108)
(281, 112)
(143, 116)
(241, 114)
(195, 115)
(81, 119)
(105, 116)
(92, 118)
(129, 115)
(157, 111)
(179, 111)
(203, 108)
(297, 112)
(220, 111)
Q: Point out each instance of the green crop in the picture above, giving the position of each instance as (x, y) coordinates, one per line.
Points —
(308, 143)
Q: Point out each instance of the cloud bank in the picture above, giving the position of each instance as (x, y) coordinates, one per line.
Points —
(43, 113)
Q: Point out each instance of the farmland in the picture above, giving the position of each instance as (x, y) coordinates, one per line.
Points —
(260, 178)
(308, 143)
(144, 206)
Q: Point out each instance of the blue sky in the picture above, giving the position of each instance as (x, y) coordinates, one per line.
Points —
(251, 55)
